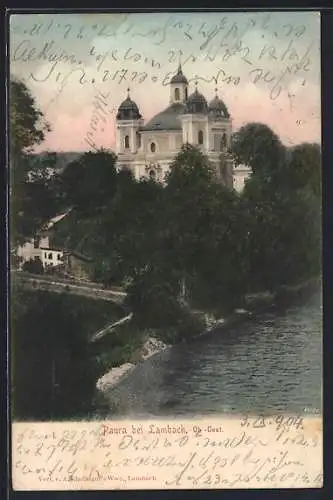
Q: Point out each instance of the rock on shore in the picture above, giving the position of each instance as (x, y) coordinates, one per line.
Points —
(152, 346)
(112, 378)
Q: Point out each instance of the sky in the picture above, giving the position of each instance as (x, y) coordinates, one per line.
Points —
(78, 67)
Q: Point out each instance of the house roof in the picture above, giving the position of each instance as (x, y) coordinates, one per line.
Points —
(56, 219)
(52, 249)
(78, 255)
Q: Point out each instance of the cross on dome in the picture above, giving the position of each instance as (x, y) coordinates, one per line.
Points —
(179, 77)
(180, 63)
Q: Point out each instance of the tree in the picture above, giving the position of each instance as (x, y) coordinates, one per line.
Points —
(32, 202)
(200, 233)
(33, 198)
(282, 200)
(190, 167)
(89, 182)
(27, 123)
(257, 146)
(304, 167)
(135, 226)
(187, 208)
(191, 252)
(106, 222)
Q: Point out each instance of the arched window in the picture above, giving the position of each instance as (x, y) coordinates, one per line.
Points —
(223, 143)
(200, 137)
(138, 140)
(153, 147)
(152, 175)
(186, 94)
(177, 94)
(50, 256)
(127, 142)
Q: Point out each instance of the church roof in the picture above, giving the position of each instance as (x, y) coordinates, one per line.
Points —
(128, 110)
(167, 119)
(179, 77)
(196, 103)
(218, 109)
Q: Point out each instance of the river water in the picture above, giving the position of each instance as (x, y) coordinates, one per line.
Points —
(268, 364)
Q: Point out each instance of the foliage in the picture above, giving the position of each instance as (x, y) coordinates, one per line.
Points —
(196, 243)
(88, 182)
(153, 300)
(203, 222)
(118, 347)
(33, 200)
(119, 235)
(34, 266)
(32, 197)
(282, 199)
(27, 122)
(257, 146)
(54, 371)
(191, 245)
(304, 167)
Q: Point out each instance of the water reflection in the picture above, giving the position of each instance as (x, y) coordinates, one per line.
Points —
(269, 364)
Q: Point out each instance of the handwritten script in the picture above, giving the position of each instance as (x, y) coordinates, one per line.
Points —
(260, 452)
(268, 56)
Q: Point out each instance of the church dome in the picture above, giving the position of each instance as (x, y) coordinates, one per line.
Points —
(196, 103)
(179, 77)
(128, 110)
(217, 109)
(167, 119)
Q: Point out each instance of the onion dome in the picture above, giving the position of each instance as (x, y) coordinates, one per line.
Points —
(196, 103)
(217, 109)
(128, 110)
(179, 77)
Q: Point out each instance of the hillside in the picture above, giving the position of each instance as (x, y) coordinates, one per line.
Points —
(63, 157)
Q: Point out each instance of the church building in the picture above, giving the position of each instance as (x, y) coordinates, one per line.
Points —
(148, 149)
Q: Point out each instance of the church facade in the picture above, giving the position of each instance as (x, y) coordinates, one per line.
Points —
(148, 149)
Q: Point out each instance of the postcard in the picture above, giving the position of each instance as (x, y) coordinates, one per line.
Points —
(165, 250)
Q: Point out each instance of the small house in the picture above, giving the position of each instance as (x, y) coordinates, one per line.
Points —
(31, 249)
(51, 257)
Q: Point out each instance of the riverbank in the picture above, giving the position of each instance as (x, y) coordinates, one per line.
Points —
(151, 347)
(270, 363)
(258, 303)
(254, 304)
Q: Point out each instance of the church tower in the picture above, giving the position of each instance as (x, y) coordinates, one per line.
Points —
(220, 125)
(195, 121)
(220, 130)
(178, 87)
(128, 123)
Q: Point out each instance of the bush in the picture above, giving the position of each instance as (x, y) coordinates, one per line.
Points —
(153, 302)
(189, 326)
(118, 347)
(54, 369)
(34, 266)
